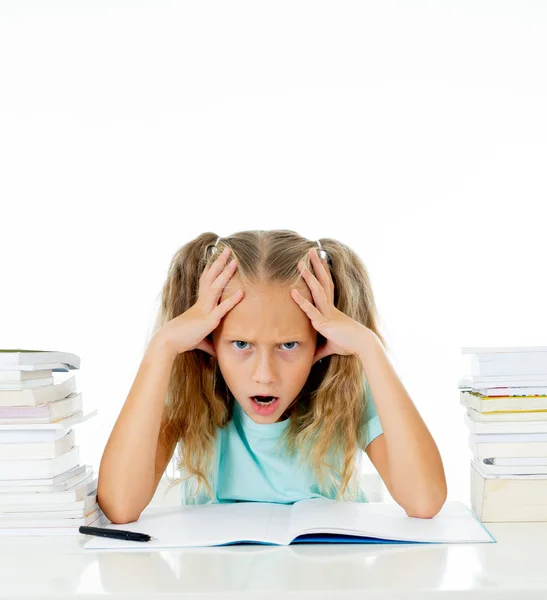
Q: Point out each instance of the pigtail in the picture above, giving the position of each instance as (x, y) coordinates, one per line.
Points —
(331, 429)
(194, 407)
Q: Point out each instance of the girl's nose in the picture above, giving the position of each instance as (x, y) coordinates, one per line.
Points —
(264, 372)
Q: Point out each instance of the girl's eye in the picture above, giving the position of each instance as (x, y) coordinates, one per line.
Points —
(290, 343)
(241, 342)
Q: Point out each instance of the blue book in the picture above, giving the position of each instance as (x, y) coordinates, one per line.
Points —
(317, 520)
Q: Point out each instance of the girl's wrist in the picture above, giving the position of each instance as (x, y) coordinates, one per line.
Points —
(159, 345)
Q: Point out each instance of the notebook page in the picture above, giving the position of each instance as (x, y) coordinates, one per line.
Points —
(194, 525)
(455, 523)
(278, 527)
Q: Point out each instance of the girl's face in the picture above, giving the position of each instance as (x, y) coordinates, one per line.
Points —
(265, 346)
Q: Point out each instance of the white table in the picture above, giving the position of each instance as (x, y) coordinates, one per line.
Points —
(58, 567)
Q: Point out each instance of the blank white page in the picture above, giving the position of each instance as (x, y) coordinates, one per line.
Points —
(454, 523)
(278, 527)
(195, 525)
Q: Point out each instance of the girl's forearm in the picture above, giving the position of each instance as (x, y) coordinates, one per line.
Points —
(416, 470)
(127, 468)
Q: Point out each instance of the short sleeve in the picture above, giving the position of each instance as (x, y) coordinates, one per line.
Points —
(372, 421)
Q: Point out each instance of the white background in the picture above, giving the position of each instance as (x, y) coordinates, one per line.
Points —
(414, 131)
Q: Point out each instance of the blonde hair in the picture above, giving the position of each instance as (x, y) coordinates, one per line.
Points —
(327, 420)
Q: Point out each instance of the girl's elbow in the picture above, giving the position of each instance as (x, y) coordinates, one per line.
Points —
(424, 513)
(117, 516)
(429, 507)
(120, 519)
(116, 512)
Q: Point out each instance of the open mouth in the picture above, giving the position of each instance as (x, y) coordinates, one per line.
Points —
(264, 405)
(264, 400)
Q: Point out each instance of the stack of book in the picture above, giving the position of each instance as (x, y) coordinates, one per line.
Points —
(43, 488)
(505, 393)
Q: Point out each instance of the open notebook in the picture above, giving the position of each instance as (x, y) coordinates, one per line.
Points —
(315, 520)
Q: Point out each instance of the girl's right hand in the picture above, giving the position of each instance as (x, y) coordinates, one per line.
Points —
(189, 330)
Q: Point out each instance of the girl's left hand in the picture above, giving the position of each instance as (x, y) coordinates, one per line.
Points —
(344, 335)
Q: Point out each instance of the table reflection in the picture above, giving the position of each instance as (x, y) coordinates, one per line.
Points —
(257, 567)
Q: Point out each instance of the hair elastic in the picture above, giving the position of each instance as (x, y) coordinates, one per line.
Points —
(211, 247)
(322, 253)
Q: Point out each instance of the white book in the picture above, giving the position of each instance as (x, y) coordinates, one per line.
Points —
(500, 350)
(486, 467)
(41, 395)
(37, 510)
(41, 432)
(26, 385)
(508, 426)
(95, 519)
(77, 417)
(514, 390)
(318, 519)
(64, 481)
(36, 469)
(487, 362)
(57, 367)
(26, 498)
(30, 436)
(508, 449)
(49, 522)
(6, 519)
(503, 381)
(508, 499)
(15, 358)
(507, 416)
(511, 438)
(11, 376)
(43, 413)
(517, 462)
(39, 450)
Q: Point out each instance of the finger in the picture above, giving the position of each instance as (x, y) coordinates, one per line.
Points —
(228, 304)
(207, 346)
(213, 291)
(212, 270)
(319, 293)
(321, 268)
(307, 307)
(220, 282)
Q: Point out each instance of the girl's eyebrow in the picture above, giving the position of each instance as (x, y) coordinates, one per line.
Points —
(290, 338)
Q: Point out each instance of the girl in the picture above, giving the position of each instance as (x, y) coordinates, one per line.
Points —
(263, 363)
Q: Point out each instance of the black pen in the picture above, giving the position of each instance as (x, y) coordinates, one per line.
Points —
(119, 534)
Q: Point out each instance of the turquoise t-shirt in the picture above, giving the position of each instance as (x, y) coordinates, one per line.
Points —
(249, 466)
